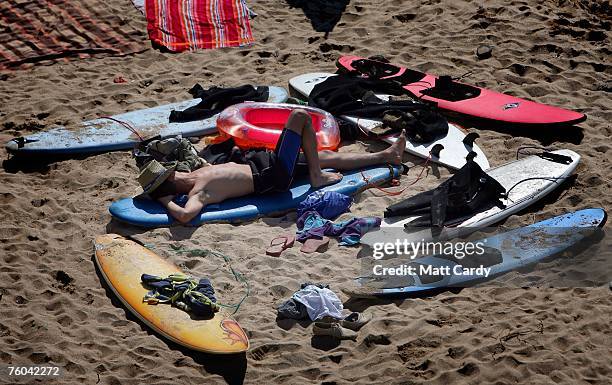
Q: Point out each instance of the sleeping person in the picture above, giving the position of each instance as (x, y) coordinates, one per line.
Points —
(267, 171)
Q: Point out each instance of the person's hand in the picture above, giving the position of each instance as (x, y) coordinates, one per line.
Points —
(166, 199)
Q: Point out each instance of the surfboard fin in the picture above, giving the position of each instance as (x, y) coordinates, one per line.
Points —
(470, 156)
(435, 150)
(470, 138)
(22, 141)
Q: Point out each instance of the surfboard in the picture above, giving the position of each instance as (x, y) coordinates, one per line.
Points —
(503, 253)
(454, 149)
(547, 175)
(145, 212)
(469, 100)
(103, 134)
(122, 262)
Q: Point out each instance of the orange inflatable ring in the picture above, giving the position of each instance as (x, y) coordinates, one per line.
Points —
(259, 125)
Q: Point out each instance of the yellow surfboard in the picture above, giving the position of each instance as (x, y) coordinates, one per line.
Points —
(123, 261)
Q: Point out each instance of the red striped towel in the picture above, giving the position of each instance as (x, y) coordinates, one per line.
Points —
(181, 25)
(34, 31)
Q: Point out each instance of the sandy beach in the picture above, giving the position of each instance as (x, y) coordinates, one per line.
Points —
(54, 309)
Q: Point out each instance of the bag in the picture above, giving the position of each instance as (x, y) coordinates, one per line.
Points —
(168, 152)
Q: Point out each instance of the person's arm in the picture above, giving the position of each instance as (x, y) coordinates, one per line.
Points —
(194, 205)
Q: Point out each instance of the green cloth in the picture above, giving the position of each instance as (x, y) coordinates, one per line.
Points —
(175, 151)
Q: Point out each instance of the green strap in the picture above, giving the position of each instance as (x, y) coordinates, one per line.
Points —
(237, 275)
(178, 298)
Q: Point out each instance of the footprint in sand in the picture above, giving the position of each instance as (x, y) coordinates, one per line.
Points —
(261, 352)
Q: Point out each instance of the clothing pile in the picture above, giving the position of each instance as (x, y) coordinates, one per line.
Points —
(317, 210)
(346, 95)
(312, 301)
(329, 204)
(311, 225)
(316, 302)
(184, 292)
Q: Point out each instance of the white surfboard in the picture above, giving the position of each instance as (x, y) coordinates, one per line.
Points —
(544, 176)
(454, 150)
(120, 132)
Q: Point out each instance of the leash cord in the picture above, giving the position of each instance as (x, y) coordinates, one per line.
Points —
(124, 124)
(394, 193)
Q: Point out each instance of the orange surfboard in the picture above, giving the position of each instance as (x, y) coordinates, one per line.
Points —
(123, 261)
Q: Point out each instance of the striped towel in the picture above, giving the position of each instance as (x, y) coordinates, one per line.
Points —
(33, 31)
(181, 25)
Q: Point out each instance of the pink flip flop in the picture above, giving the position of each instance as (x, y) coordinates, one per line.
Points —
(280, 243)
(311, 245)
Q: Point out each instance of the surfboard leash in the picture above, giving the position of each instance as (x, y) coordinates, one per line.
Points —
(124, 124)
(547, 178)
(396, 182)
(521, 150)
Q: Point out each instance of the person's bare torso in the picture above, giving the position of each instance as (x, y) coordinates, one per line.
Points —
(219, 182)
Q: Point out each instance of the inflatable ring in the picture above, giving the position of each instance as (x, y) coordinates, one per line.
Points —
(259, 125)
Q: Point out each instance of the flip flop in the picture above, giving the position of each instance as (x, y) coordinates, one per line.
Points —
(311, 245)
(280, 243)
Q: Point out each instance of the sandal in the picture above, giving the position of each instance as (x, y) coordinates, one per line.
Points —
(333, 330)
(313, 244)
(279, 244)
(355, 321)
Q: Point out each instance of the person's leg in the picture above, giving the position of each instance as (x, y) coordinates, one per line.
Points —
(349, 161)
(299, 122)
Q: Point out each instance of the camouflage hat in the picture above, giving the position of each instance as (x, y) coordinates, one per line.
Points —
(153, 175)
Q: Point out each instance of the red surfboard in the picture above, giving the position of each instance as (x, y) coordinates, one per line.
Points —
(463, 98)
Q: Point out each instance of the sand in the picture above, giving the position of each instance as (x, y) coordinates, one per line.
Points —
(54, 309)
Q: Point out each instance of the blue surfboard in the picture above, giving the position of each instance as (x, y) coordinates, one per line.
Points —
(145, 212)
(503, 253)
(103, 135)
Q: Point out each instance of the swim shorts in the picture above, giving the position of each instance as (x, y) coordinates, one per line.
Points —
(274, 171)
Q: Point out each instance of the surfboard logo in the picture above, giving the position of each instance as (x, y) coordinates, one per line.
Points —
(233, 332)
(509, 106)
